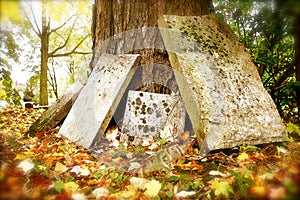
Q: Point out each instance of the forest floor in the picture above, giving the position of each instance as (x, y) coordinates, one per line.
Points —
(49, 166)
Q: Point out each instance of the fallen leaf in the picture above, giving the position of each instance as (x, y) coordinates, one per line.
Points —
(134, 165)
(130, 193)
(58, 186)
(218, 173)
(191, 166)
(100, 192)
(70, 187)
(40, 182)
(242, 157)
(277, 193)
(60, 168)
(221, 188)
(185, 136)
(152, 188)
(79, 196)
(26, 165)
(80, 171)
(185, 194)
(258, 190)
(138, 182)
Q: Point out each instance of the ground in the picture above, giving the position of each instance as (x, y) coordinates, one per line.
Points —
(49, 166)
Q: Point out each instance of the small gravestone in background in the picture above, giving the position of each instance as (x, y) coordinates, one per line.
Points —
(57, 111)
(219, 84)
(152, 116)
(96, 103)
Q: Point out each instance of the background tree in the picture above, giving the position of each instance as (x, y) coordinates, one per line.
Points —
(7, 91)
(9, 52)
(44, 33)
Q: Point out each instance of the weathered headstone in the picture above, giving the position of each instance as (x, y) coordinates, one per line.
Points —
(152, 116)
(57, 111)
(219, 84)
(96, 103)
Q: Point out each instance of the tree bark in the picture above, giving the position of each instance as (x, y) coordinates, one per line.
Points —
(297, 61)
(44, 60)
(131, 27)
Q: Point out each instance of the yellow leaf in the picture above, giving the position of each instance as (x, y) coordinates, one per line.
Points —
(60, 168)
(131, 192)
(20, 156)
(221, 188)
(152, 188)
(70, 187)
(242, 157)
(259, 190)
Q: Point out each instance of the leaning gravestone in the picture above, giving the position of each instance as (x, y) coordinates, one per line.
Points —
(151, 116)
(219, 84)
(57, 112)
(96, 103)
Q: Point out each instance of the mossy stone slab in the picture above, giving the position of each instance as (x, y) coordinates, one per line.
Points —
(96, 103)
(152, 116)
(219, 84)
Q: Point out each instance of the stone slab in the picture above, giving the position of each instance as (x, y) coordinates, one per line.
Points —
(219, 84)
(95, 105)
(152, 116)
(57, 111)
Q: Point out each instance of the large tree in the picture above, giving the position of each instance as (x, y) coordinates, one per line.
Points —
(131, 27)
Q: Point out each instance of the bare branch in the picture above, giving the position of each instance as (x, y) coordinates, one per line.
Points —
(69, 53)
(34, 19)
(59, 27)
(36, 29)
(65, 43)
(73, 51)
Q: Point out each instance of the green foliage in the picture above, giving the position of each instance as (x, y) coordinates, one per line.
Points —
(7, 92)
(248, 148)
(139, 150)
(222, 188)
(163, 141)
(192, 185)
(58, 186)
(117, 176)
(243, 181)
(292, 128)
(10, 49)
(8, 11)
(69, 32)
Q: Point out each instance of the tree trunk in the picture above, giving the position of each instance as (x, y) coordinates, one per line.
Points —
(297, 59)
(131, 27)
(44, 61)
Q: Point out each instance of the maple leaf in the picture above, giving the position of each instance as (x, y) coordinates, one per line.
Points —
(221, 188)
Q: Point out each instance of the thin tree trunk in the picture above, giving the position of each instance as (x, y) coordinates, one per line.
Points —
(44, 61)
(297, 59)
